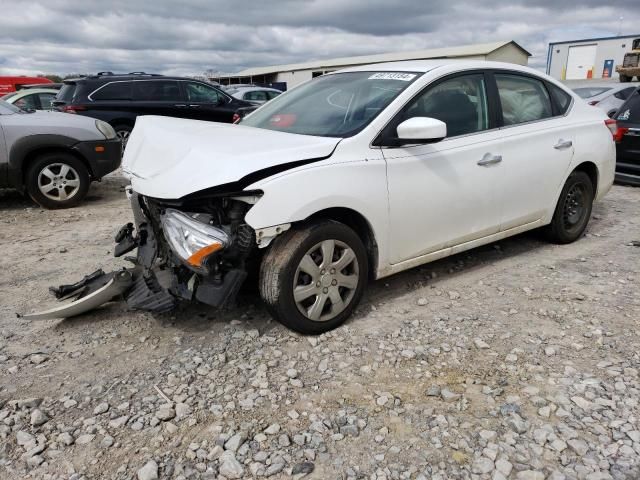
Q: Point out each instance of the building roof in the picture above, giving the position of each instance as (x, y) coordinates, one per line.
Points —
(637, 35)
(448, 52)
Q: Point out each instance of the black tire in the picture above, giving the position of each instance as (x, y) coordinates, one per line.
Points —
(625, 78)
(123, 131)
(53, 162)
(573, 210)
(280, 269)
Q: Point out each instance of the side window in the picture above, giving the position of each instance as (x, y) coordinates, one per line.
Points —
(625, 93)
(562, 98)
(197, 92)
(257, 95)
(113, 91)
(156, 91)
(46, 99)
(272, 95)
(523, 99)
(460, 102)
(28, 102)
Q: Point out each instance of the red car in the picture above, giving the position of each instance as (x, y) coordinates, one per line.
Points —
(11, 84)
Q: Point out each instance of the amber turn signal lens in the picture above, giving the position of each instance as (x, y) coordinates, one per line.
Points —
(99, 149)
(197, 258)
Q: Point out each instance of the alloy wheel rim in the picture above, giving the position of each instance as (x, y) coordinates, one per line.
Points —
(58, 181)
(123, 135)
(326, 280)
(574, 205)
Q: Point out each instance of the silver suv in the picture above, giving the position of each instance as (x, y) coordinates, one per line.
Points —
(54, 156)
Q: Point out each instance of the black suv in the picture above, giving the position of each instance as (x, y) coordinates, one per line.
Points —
(119, 99)
(628, 141)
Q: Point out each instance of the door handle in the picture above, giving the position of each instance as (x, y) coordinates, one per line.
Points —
(180, 105)
(194, 106)
(489, 159)
(562, 144)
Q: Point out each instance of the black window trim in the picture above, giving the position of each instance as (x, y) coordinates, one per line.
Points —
(385, 138)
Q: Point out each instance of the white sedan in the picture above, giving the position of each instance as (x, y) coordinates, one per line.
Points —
(357, 175)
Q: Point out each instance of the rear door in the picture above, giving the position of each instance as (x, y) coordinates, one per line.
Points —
(537, 145)
(158, 97)
(628, 148)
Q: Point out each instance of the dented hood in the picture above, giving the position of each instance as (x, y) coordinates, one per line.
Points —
(170, 157)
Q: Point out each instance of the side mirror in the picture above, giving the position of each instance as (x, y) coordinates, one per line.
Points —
(421, 130)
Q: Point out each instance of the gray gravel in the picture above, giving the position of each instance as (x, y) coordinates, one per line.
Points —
(518, 360)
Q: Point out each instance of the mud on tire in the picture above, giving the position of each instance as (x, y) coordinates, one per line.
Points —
(286, 276)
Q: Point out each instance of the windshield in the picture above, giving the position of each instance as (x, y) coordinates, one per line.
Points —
(7, 108)
(8, 96)
(588, 92)
(336, 105)
(630, 110)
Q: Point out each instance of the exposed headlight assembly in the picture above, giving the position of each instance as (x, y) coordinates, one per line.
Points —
(192, 241)
(105, 129)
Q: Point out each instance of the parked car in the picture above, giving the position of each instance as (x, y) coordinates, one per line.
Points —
(628, 141)
(607, 97)
(255, 95)
(120, 99)
(354, 175)
(11, 84)
(54, 156)
(31, 98)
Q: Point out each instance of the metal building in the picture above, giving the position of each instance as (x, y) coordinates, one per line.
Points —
(291, 75)
(589, 58)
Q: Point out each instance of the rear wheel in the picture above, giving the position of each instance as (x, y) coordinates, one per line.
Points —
(312, 279)
(57, 180)
(625, 78)
(573, 210)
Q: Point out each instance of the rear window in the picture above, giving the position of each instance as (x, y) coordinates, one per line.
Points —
(588, 92)
(630, 110)
(113, 91)
(562, 98)
(66, 92)
(156, 90)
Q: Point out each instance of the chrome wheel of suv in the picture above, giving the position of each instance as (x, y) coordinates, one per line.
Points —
(58, 181)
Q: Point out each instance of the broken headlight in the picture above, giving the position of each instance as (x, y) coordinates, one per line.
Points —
(191, 240)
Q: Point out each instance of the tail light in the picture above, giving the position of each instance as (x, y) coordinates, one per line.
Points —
(73, 108)
(616, 132)
(235, 118)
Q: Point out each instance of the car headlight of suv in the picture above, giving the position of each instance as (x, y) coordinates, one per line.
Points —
(105, 129)
(192, 241)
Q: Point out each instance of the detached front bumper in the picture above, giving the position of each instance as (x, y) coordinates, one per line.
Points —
(103, 156)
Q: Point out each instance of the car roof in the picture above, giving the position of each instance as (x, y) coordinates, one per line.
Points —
(251, 89)
(30, 91)
(424, 66)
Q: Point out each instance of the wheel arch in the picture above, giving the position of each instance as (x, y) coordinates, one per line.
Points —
(356, 221)
(27, 149)
(591, 169)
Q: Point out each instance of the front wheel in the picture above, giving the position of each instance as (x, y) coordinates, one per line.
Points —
(57, 180)
(573, 210)
(312, 278)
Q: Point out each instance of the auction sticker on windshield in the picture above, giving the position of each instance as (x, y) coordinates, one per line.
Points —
(405, 77)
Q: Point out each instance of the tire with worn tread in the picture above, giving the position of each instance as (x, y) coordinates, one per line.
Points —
(53, 161)
(573, 210)
(280, 268)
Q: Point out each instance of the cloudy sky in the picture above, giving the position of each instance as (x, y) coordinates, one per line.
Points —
(192, 36)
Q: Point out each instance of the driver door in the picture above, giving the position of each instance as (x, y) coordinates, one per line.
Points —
(207, 103)
(446, 193)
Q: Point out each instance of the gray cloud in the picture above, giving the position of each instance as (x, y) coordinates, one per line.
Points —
(191, 36)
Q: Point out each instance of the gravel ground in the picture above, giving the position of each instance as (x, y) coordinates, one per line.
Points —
(518, 360)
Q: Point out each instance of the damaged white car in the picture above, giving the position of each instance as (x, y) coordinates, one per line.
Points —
(353, 176)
